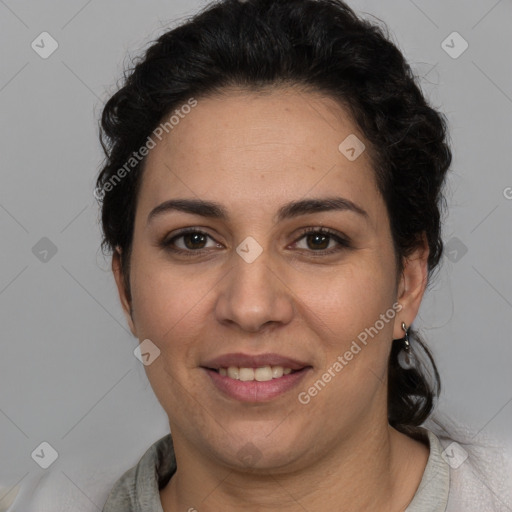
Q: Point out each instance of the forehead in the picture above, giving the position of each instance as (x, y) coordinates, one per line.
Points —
(255, 149)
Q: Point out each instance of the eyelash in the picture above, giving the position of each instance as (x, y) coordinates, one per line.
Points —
(343, 242)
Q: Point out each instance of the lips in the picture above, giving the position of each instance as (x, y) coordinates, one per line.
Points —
(254, 391)
(254, 361)
(255, 378)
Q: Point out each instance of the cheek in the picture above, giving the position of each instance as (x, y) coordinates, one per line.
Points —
(348, 298)
(168, 303)
(345, 313)
(169, 310)
(344, 309)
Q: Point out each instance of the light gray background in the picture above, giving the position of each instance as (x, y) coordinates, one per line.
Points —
(68, 375)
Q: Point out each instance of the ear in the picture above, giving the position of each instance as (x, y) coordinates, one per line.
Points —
(411, 287)
(121, 288)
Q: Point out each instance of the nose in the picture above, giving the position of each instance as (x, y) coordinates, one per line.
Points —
(254, 295)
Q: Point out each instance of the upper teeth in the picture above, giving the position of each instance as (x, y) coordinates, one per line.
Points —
(260, 374)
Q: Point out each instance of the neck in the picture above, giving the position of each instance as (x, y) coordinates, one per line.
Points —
(372, 469)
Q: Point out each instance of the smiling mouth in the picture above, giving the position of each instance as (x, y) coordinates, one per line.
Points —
(261, 374)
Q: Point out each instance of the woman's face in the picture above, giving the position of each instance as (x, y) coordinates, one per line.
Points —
(252, 287)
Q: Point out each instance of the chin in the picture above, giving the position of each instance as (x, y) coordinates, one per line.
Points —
(262, 445)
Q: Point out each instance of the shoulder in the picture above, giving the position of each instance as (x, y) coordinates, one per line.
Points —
(480, 469)
(138, 489)
(123, 494)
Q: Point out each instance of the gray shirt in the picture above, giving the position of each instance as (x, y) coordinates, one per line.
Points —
(138, 490)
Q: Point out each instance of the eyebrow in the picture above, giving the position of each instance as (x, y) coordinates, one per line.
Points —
(290, 210)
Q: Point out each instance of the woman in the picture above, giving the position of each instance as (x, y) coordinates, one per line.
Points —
(271, 196)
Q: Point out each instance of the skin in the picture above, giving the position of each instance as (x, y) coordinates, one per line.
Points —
(253, 153)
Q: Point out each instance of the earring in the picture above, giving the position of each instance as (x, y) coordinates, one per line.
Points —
(407, 345)
(405, 357)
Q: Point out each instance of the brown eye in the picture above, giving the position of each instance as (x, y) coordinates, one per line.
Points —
(319, 240)
(188, 241)
(193, 240)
